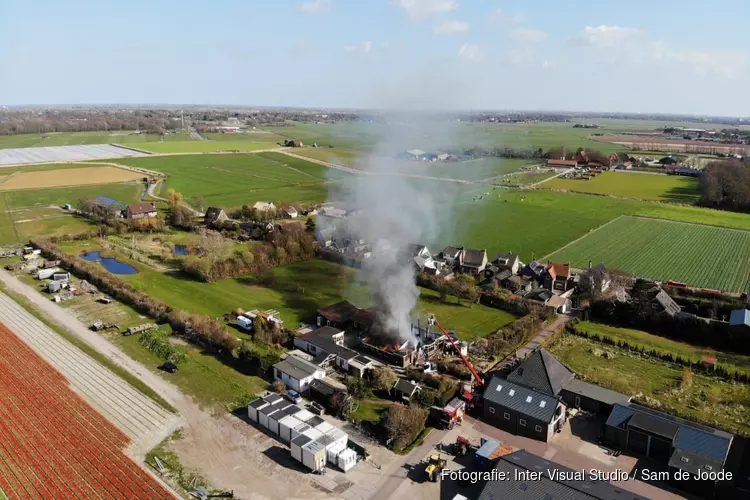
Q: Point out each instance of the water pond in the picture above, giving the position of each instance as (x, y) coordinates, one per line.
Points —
(112, 265)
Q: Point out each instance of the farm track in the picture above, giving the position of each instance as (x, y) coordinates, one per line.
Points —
(54, 445)
(140, 418)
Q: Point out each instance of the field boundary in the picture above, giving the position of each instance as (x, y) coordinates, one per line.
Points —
(649, 217)
(592, 231)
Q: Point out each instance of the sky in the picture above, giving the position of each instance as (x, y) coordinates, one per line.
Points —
(588, 55)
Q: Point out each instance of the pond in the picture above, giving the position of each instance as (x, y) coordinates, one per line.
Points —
(180, 250)
(112, 265)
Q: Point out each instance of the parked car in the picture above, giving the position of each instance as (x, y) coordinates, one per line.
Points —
(294, 396)
(429, 368)
(168, 367)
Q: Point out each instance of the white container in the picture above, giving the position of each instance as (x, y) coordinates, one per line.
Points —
(347, 459)
(275, 399)
(324, 427)
(244, 323)
(313, 434)
(339, 437)
(274, 419)
(297, 444)
(286, 425)
(264, 413)
(304, 415)
(333, 451)
(314, 455)
(44, 274)
(298, 431)
(253, 407)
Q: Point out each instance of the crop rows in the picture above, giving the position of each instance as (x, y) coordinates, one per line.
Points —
(53, 444)
(701, 256)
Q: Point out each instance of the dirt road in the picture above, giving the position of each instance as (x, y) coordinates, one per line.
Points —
(230, 453)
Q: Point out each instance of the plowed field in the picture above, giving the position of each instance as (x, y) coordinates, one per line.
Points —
(52, 443)
(67, 177)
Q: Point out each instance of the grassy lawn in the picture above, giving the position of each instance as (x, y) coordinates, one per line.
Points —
(701, 256)
(371, 410)
(126, 193)
(469, 321)
(76, 138)
(709, 400)
(648, 187)
(732, 361)
(234, 180)
(204, 146)
(537, 222)
(249, 136)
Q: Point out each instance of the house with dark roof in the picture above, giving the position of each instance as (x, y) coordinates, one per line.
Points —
(519, 465)
(326, 344)
(558, 277)
(297, 373)
(345, 315)
(683, 445)
(533, 270)
(542, 372)
(522, 410)
(404, 390)
(215, 216)
(595, 279)
(453, 256)
(474, 261)
(140, 210)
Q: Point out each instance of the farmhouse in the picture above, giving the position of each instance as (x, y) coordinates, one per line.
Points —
(297, 373)
(683, 445)
(107, 204)
(521, 463)
(215, 216)
(474, 261)
(140, 210)
(264, 206)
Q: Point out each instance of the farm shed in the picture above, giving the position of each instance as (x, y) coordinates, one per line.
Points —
(517, 464)
(681, 444)
(590, 397)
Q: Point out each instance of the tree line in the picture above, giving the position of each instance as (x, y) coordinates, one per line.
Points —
(726, 185)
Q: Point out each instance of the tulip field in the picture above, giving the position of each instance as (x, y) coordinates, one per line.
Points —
(54, 445)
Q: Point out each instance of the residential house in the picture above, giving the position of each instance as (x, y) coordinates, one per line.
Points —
(264, 206)
(414, 154)
(533, 271)
(595, 279)
(521, 464)
(558, 277)
(668, 160)
(683, 445)
(507, 261)
(345, 315)
(474, 261)
(327, 345)
(453, 257)
(325, 237)
(403, 390)
(140, 210)
(215, 216)
(517, 284)
(417, 250)
(297, 373)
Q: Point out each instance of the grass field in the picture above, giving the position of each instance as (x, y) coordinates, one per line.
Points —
(126, 193)
(204, 146)
(644, 186)
(701, 256)
(255, 136)
(538, 222)
(76, 138)
(234, 180)
(347, 157)
(43, 179)
(638, 338)
(709, 400)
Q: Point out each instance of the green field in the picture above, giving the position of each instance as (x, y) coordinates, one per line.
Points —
(237, 179)
(638, 338)
(701, 256)
(348, 157)
(255, 136)
(632, 185)
(76, 138)
(205, 146)
(126, 193)
(534, 223)
(711, 401)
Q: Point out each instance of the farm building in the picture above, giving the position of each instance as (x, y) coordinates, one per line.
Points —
(562, 163)
(215, 216)
(140, 210)
(297, 373)
(109, 204)
(327, 345)
(264, 206)
(518, 464)
(684, 445)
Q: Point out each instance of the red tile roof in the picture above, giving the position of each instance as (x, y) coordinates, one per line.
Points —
(556, 269)
(140, 208)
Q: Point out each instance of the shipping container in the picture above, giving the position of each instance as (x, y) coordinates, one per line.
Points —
(339, 436)
(253, 407)
(313, 433)
(304, 415)
(61, 276)
(323, 427)
(44, 274)
(314, 422)
(314, 455)
(297, 444)
(332, 453)
(263, 414)
(299, 430)
(274, 419)
(286, 425)
(347, 459)
(274, 399)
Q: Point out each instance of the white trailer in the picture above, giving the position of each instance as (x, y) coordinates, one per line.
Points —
(347, 459)
(61, 276)
(254, 407)
(44, 274)
(297, 444)
(244, 323)
(314, 455)
(286, 425)
(264, 413)
(299, 430)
